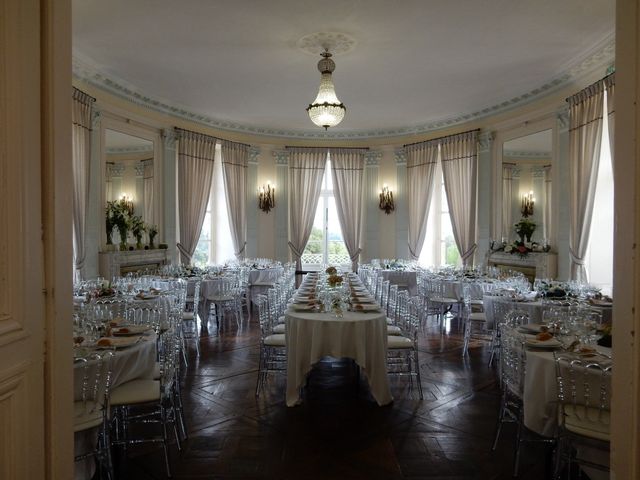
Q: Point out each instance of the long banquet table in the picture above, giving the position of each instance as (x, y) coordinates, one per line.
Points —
(360, 335)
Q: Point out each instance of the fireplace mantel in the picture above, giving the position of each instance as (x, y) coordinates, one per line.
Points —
(115, 264)
(538, 264)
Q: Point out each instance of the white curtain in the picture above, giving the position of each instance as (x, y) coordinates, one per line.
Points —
(147, 189)
(81, 161)
(422, 159)
(610, 86)
(347, 170)
(306, 168)
(547, 212)
(196, 154)
(585, 136)
(460, 171)
(235, 158)
(507, 199)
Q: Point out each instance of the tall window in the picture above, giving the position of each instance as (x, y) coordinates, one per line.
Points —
(439, 246)
(599, 258)
(215, 245)
(325, 245)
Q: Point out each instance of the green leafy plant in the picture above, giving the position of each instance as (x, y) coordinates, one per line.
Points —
(152, 230)
(137, 228)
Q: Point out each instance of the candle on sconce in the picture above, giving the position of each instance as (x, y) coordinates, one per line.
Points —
(528, 202)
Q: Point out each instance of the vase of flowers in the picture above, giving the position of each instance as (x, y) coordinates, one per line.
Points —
(152, 230)
(137, 228)
(525, 228)
(121, 220)
(109, 223)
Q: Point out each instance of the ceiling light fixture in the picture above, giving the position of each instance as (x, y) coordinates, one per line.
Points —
(326, 110)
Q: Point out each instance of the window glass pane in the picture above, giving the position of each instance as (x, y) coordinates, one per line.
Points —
(313, 251)
(599, 258)
(337, 253)
(201, 255)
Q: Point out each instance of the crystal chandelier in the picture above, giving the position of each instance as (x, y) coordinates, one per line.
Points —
(326, 110)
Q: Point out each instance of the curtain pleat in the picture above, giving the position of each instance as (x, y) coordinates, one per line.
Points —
(547, 225)
(347, 170)
(235, 158)
(81, 160)
(459, 170)
(422, 160)
(610, 86)
(306, 168)
(507, 199)
(147, 188)
(196, 154)
(585, 136)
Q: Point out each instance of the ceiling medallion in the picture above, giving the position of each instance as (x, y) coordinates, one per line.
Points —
(326, 110)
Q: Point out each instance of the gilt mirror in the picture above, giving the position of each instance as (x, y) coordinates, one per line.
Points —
(527, 187)
(131, 174)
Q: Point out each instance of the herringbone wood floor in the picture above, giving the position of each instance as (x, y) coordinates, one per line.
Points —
(338, 432)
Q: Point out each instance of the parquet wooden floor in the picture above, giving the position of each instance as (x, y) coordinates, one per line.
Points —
(338, 432)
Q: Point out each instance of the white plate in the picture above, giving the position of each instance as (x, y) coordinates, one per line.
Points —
(551, 343)
(119, 342)
(365, 308)
(129, 330)
(532, 327)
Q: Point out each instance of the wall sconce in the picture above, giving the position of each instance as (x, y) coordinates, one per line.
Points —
(527, 204)
(386, 200)
(267, 197)
(126, 202)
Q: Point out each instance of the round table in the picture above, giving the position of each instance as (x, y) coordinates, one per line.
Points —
(361, 336)
(131, 363)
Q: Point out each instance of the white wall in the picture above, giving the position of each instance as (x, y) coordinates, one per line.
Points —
(384, 236)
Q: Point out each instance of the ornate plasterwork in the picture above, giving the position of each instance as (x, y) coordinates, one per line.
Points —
(337, 43)
(125, 150)
(169, 137)
(600, 57)
(281, 156)
(485, 140)
(254, 153)
(400, 156)
(527, 154)
(372, 158)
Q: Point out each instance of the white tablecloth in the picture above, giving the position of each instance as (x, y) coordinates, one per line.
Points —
(360, 336)
(534, 309)
(403, 278)
(261, 280)
(541, 393)
(130, 363)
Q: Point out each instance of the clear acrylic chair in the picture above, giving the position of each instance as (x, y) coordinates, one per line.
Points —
(91, 410)
(584, 416)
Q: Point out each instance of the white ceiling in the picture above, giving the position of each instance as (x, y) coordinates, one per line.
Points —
(415, 63)
(536, 144)
(118, 140)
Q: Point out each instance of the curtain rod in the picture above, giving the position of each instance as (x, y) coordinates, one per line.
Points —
(568, 99)
(342, 148)
(93, 99)
(178, 129)
(440, 138)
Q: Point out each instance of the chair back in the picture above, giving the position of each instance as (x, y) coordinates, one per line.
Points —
(512, 361)
(584, 386)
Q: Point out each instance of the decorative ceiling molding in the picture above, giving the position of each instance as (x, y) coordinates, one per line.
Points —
(127, 150)
(254, 154)
(601, 56)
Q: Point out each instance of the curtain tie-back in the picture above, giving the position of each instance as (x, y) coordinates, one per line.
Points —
(295, 251)
(575, 259)
(354, 257)
(413, 254)
(241, 251)
(469, 252)
(183, 251)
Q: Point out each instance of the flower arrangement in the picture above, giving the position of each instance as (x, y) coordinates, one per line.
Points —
(103, 291)
(138, 227)
(152, 230)
(525, 228)
(331, 271)
(334, 280)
